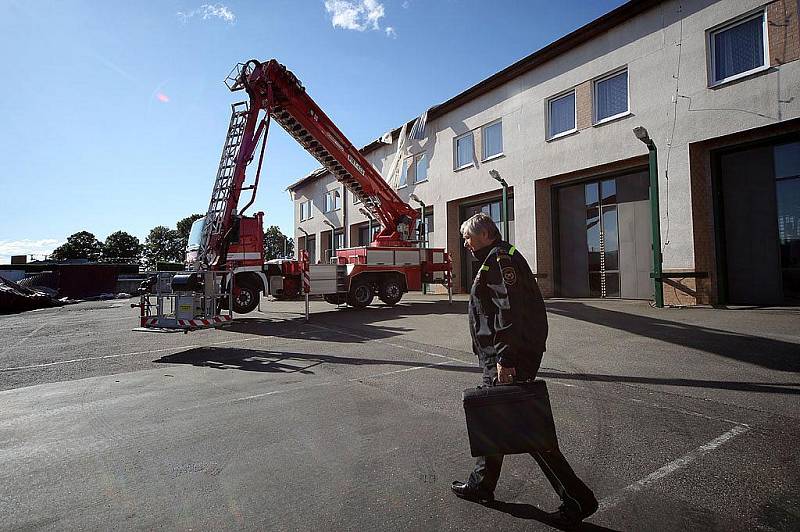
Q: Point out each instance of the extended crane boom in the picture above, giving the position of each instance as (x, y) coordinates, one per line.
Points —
(225, 257)
(272, 88)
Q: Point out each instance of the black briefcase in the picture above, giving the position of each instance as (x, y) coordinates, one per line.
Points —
(509, 419)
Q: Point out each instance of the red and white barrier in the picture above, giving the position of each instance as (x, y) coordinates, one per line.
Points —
(168, 323)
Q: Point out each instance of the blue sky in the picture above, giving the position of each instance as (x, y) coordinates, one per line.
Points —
(114, 113)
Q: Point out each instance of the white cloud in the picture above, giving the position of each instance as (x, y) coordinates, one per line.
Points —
(374, 13)
(356, 15)
(40, 248)
(405, 4)
(390, 32)
(208, 11)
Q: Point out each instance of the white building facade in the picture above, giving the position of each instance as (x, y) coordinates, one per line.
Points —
(716, 84)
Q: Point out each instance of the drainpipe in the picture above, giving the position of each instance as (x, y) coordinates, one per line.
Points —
(496, 176)
(641, 134)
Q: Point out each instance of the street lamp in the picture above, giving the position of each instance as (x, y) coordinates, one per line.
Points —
(496, 176)
(641, 134)
(305, 242)
(368, 215)
(424, 230)
(333, 236)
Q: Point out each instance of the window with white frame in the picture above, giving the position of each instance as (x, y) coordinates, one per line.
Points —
(611, 96)
(561, 115)
(404, 173)
(738, 48)
(464, 151)
(492, 139)
(420, 168)
(414, 170)
(333, 200)
(306, 209)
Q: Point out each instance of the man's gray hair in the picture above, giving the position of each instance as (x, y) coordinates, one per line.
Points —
(480, 223)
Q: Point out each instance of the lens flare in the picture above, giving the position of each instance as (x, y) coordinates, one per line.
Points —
(162, 97)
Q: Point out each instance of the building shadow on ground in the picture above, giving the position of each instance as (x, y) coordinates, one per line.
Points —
(362, 324)
(757, 350)
(528, 511)
(788, 388)
(285, 362)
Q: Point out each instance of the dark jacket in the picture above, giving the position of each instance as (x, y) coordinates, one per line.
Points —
(507, 316)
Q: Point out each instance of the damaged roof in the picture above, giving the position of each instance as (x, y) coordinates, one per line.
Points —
(583, 34)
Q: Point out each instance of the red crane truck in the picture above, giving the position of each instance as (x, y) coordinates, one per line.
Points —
(225, 257)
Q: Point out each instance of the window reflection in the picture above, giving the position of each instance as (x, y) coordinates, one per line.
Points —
(787, 160)
(610, 238)
(602, 238)
(612, 284)
(591, 195)
(609, 188)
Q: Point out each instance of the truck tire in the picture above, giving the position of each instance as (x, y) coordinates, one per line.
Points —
(391, 291)
(245, 299)
(360, 294)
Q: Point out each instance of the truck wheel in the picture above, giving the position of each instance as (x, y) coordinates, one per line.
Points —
(360, 295)
(391, 291)
(245, 299)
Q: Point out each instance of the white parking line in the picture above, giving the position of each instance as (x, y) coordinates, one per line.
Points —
(399, 346)
(135, 353)
(613, 500)
(313, 385)
(26, 337)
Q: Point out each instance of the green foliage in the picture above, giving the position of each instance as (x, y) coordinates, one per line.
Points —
(163, 245)
(274, 241)
(81, 245)
(185, 226)
(121, 247)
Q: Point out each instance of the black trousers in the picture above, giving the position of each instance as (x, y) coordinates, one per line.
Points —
(568, 486)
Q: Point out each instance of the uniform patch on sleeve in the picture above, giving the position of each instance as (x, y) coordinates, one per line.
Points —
(509, 275)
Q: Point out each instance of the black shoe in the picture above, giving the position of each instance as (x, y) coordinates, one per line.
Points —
(471, 493)
(569, 516)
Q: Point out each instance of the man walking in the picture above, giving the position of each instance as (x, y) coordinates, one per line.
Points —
(508, 323)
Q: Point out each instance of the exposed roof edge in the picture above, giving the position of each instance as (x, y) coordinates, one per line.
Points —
(581, 35)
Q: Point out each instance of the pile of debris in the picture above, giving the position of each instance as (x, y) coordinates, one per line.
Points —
(17, 298)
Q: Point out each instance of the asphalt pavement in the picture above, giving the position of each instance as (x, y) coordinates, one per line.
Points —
(679, 419)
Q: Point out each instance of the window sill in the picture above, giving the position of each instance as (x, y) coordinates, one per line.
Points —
(614, 118)
(493, 157)
(740, 76)
(458, 169)
(402, 186)
(422, 181)
(562, 135)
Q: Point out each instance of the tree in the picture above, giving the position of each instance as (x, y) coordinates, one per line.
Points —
(163, 244)
(121, 247)
(274, 241)
(80, 245)
(185, 226)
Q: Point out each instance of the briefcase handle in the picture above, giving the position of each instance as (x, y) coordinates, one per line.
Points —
(495, 382)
